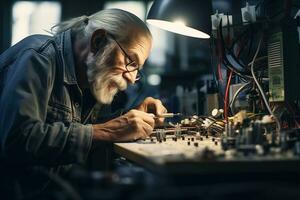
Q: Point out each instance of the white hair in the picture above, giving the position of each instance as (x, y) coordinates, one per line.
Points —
(125, 27)
(121, 24)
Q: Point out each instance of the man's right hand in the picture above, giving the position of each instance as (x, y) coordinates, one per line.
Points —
(131, 126)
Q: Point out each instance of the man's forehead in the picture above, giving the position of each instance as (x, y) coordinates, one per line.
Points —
(141, 50)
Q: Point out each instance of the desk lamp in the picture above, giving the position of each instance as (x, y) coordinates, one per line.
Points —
(186, 17)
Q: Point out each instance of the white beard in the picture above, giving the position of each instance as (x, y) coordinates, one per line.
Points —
(104, 82)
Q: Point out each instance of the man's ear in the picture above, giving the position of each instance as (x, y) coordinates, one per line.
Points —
(98, 40)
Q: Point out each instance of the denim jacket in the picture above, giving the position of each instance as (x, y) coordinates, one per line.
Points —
(41, 103)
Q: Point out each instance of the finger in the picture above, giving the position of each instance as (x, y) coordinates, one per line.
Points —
(160, 109)
(146, 117)
(143, 130)
(147, 129)
(159, 121)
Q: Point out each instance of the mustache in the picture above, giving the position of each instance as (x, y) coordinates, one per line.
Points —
(106, 79)
(120, 82)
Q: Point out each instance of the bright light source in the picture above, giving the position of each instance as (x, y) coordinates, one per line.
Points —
(154, 79)
(179, 23)
(31, 17)
(179, 28)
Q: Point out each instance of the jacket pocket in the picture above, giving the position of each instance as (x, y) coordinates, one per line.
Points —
(58, 113)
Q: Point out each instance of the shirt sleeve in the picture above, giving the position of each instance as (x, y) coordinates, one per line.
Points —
(25, 137)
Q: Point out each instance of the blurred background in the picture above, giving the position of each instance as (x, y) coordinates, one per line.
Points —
(196, 76)
(186, 73)
(175, 72)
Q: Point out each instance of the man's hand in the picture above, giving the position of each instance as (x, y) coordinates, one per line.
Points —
(131, 126)
(151, 105)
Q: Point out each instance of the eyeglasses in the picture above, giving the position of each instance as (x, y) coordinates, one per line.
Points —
(131, 66)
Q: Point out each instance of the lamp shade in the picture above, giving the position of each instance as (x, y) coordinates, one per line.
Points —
(186, 17)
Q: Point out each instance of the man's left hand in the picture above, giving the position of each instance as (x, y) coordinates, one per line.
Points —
(151, 105)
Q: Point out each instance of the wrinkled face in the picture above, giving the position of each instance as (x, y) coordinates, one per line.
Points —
(106, 70)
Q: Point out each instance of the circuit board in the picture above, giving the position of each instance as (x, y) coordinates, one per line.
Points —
(189, 154)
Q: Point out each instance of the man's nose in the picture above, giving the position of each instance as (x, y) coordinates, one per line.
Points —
(130, 76)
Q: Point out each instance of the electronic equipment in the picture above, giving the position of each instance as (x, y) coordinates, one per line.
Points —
(201, 147)
(283, 61)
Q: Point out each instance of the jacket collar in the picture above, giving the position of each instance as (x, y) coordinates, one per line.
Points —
(66, 50)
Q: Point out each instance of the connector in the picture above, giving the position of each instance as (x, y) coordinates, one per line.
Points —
(248, 14)
(216, 18)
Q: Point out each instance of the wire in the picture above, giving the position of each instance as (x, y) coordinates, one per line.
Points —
(260, 88)
(211, 44)
(220, 53)
(230, 67)
(226, 96)
(226, 62)
(219, 72)
(289, 107)
(258, 59)
(239, 37)
(231, 104)
(251, 43)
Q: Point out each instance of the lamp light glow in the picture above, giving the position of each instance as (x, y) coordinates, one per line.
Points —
(179, 28)
(196, 15)
(179, 22)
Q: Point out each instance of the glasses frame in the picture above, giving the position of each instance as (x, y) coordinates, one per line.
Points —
(131, 61)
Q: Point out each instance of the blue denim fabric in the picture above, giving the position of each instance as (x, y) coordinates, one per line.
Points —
(41, 103)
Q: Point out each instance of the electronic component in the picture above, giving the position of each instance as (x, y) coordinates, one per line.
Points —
(248, 13)
(239, 150)
(216, 19)
(283, 62)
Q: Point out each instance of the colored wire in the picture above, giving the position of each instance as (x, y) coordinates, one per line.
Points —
(225, 60)
(231, 104)
(260, 88)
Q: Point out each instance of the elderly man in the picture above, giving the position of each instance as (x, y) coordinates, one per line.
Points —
(47, 85)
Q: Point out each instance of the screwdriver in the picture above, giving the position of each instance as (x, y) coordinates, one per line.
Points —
(167, 115)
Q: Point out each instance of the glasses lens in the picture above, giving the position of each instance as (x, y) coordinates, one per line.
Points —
(132, 66)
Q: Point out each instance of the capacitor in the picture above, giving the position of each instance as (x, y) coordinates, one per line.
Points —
(217, 112)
